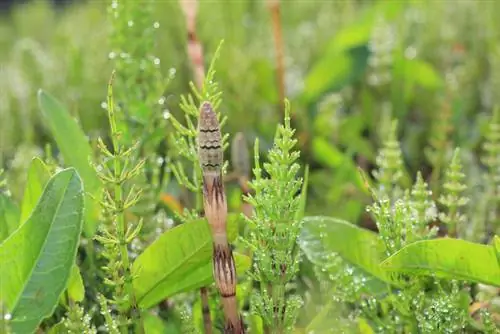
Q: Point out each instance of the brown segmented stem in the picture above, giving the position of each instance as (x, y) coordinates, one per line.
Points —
(195, 53)
(210, 153)
(210, 149)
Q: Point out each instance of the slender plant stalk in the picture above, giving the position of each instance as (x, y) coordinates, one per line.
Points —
(194, 48)
(210, 152)
(205, 310)
(195, 53)
(117, 235)
(241, 164)
(275, 8)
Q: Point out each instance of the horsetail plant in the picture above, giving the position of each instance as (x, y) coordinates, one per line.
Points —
(210, 153)
(117, 233)
(390, 169)
(274, 229)
(491, 158)
(452, 198)
(190, 141)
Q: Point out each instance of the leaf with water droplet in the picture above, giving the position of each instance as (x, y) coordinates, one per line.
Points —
(447, 258)
(76, 151)
(362, 248)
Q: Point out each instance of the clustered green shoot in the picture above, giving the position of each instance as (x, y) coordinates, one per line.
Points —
(491, 160)
(403, 216)
(452, 198)
(117, 174)
(139, 82)
(390, 169)
(439, 143)
(274, 229)
(142, 115)
(77, 321)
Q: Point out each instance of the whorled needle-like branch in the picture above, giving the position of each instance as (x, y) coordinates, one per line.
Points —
(210, 152)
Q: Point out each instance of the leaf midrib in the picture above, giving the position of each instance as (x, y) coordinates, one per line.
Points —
(45, 241)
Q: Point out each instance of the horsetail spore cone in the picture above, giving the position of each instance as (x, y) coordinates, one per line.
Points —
(210, 152)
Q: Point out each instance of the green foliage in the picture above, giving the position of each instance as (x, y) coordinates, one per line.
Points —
(76, 290)
(390, 169)
(9, 216)
(75, 149)
(452, 197)
(186, 252)
(38, 176)
(449, 258)
(37, 257)
(386, 87)
(322, 238)
(116, 174)
(275, 229)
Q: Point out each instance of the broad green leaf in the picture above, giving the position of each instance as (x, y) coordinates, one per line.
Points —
(9, 216)
(36, 260)
(448, 258)
(76, 290)
(176, 261)
(38, 175)
(321, 237)
(76, 151)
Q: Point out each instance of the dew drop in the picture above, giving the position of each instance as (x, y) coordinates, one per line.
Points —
(104, 105)
(130, 23)
(166, 114)
(112, 55)
(161, 101)
(156, 61)
(156, 25)
(7, 316)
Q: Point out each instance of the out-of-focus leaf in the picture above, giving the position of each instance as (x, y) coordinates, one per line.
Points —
(496, 244)
(59, 328)
(335, 71)
(36, 260)
(359, 32)
(345, 58)
(76, 151)
(153, 324)
(418, 72)
(448, 258)
(76, 290)
(364, 327)
(322, 237)
(9, 216)
(326, 153)
(38, 175)
(177, 261)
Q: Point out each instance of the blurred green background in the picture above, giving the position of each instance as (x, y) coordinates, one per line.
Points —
(351, 66)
